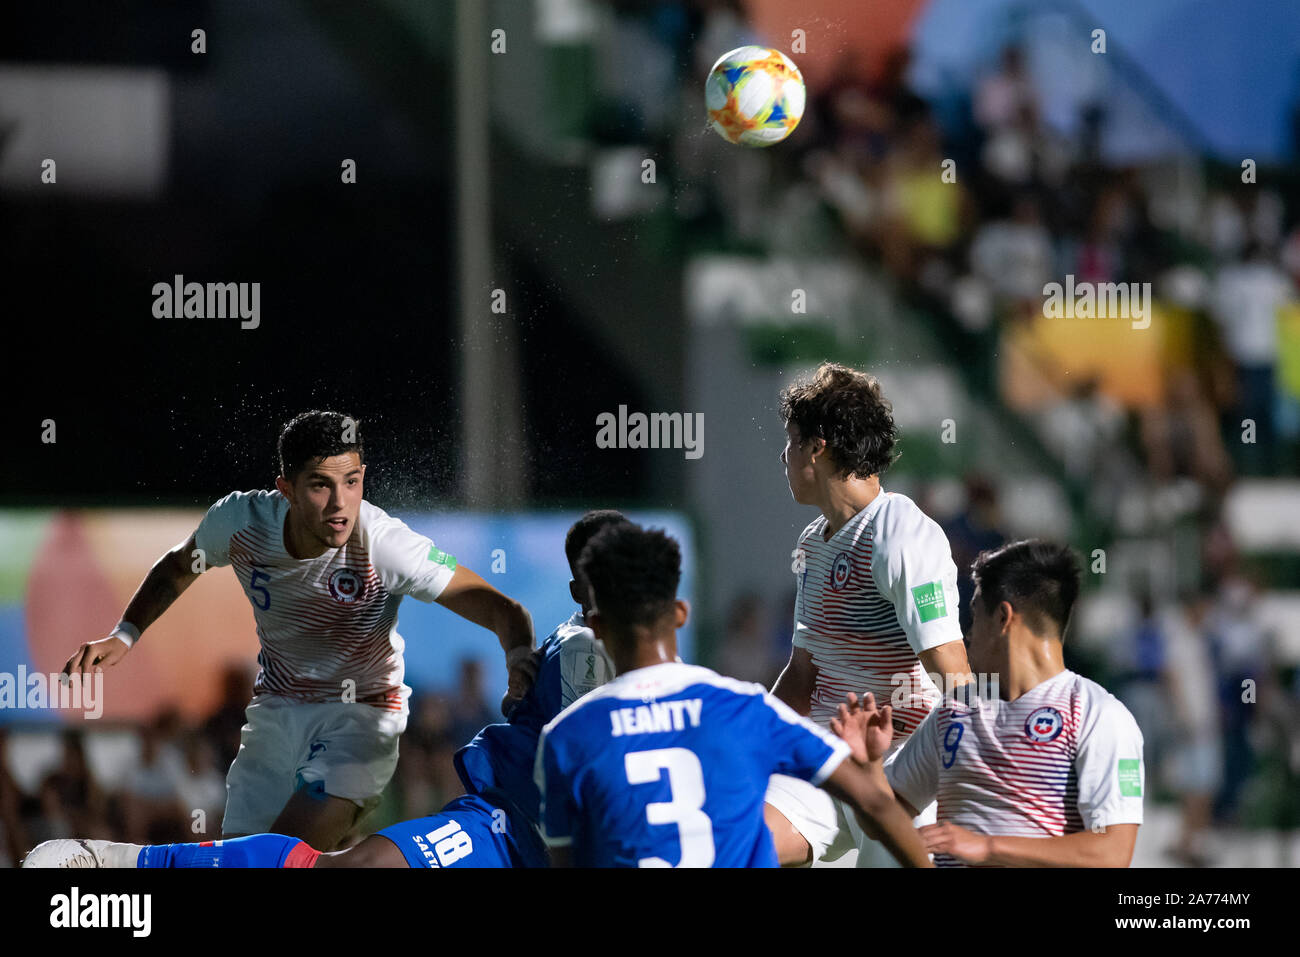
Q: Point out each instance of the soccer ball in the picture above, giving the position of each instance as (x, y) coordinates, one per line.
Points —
(755, 96)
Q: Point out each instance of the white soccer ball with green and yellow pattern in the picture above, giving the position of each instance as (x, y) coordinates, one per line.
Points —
(755, 96)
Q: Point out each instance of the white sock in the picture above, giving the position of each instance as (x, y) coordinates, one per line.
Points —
(119, 855)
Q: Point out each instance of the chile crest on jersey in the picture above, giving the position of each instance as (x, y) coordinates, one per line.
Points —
(346, 586)
(1044, 725)
(841, 569)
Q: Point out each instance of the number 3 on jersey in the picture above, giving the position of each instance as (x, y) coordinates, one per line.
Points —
(686, 786)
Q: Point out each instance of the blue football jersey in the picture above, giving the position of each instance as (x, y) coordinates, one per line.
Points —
(667, 766)
(501, 756)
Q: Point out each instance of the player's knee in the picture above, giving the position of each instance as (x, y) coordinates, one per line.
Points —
(374, 851)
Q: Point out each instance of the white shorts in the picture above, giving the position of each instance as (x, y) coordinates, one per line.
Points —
(829, 826)
(348, 749)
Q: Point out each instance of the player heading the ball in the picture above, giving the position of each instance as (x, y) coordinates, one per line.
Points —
(876, 604)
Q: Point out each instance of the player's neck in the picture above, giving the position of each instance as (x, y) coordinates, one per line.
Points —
(841, 499)
(1029, 663)
(298, 543)
(646, 651)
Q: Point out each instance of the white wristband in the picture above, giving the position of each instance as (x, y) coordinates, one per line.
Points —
(128, 632)
(516, 655)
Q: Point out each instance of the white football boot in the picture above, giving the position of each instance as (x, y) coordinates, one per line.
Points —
(71, 852)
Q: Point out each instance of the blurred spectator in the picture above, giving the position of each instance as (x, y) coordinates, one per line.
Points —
(746, 653)
(1196, 756)
(13, 836)
(1015, 256)
(974, 529)
(923, 214)
(224, 725)
(72, 790)
(1181, 437)
(1002, 96)
(470, 710)
(1085, 430)
(152, 807)
(202, 785)
(1246, 297)
(426, 778)
(1239, 646)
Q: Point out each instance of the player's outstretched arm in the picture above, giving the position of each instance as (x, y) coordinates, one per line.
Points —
(469, 596)
(170, 575)
(867, 790)
(1112, 847)
(868, 731)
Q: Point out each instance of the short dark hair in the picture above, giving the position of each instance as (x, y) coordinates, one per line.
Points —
(847, 409)
(311, 436)
(1039, 579)
(633, 573)
(580, 532)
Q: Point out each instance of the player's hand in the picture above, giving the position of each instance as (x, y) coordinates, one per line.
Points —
(850, 723)
(879, 733)
(956, 841)
(520, 681)
(95, 655)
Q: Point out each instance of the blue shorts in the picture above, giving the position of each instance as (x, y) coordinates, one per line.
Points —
(469, 832)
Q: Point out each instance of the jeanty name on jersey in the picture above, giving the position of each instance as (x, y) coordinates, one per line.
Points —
(656, 717)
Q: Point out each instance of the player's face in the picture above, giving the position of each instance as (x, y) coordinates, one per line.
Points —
(327, 498)
(984, 635)
(797, 460)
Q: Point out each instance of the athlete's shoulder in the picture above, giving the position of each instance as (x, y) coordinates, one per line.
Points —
(240, 509)
(898, 513)
(899, 527)
(373, 520)
(814, 529)
(1097, 706)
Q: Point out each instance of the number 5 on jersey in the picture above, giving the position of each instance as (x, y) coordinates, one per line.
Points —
(253, 586)
(686, 787)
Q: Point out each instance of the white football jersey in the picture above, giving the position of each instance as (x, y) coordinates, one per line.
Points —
(873, 596)
(1063, 757)
(329, 620)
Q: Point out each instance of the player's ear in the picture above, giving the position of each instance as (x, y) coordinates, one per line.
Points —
(575, 592)
(284, 487)
(681, 612)
(1005, 614)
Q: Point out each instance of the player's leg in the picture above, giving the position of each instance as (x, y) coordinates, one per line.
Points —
(804, 822)
(347, 757)
(256, 850)
(375, 851)
(792, 850)
(261, 778)
(320, 819)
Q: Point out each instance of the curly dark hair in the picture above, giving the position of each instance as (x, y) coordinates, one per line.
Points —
(581, 531)
(633, 573)
(846, 408)
(1039, 579)
(311, 436)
